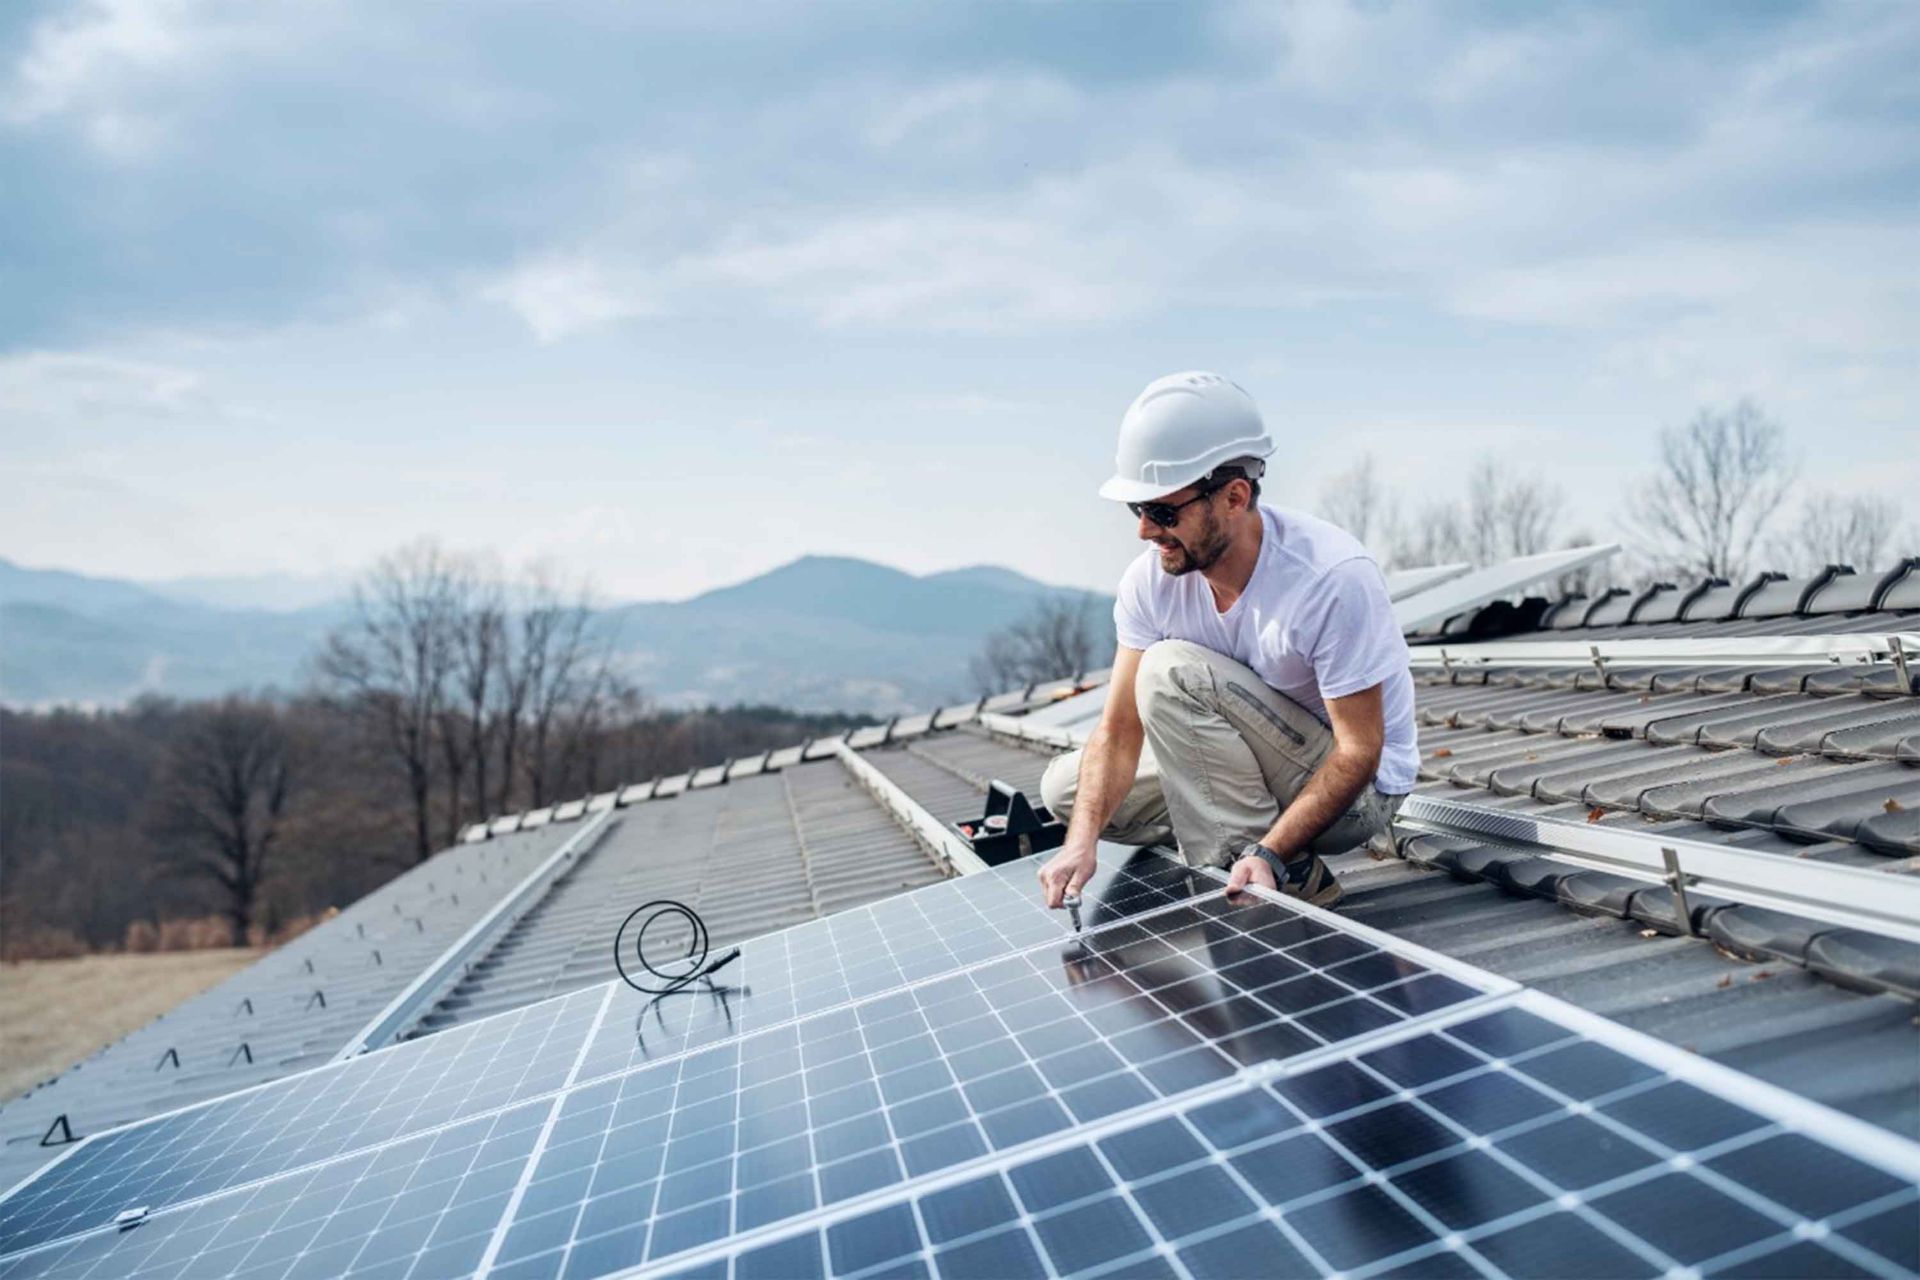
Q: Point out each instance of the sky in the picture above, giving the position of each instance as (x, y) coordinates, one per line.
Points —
(671, 294)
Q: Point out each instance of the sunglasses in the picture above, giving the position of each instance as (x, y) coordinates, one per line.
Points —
(1167, 514)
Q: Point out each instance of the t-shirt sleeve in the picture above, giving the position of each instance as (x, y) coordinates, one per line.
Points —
(1133, 621)
(1346, 627)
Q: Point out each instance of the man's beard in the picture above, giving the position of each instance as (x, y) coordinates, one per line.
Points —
(1209, 544)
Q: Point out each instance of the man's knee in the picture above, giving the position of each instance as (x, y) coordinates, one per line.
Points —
(1058, 784)
(1167, 673)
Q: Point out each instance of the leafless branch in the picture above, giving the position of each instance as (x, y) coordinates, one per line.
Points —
(1721, 480)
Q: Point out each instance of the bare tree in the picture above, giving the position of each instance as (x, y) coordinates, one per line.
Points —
(389, 665)
(1060, 636)
(465, 722)
(222, 798)
(1358, 502)
(1506, 514)
(1503, 514)
(1433, 535)
(1857, 531)
(1721, 480)
(558, 671)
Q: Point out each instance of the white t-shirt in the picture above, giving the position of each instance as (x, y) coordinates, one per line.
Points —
(1314, 623)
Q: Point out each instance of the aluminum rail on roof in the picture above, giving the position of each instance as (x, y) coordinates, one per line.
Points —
(1881, 902)
(941, 841)
(1402, 583)
(1733, 651)
(420, 995)
(1437, 604)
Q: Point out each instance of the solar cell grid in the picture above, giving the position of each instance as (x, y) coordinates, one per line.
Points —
(875, 948)
(425, 1205)
(1356, 1166)
(465, 1071)
(301, 1120)
(907, 1084)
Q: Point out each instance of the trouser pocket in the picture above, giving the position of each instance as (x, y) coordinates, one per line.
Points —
(1295, 734)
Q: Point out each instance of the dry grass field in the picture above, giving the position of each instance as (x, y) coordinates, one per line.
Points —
(53, 1013)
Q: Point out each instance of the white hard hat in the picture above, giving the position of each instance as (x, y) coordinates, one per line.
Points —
(1178, 430)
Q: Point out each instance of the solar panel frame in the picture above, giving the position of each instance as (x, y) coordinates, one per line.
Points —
(1323, 1204)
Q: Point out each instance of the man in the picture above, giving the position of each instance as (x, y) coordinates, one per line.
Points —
(1260, 705)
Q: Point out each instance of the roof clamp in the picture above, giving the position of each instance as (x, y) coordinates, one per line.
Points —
(1677, 881)
(1012, 827)
(1899, 654)
(1599, 662)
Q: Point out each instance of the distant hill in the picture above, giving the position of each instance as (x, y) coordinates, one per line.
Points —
(819, 633)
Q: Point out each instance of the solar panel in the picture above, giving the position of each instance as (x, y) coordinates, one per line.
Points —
(317, 1115)
(425, 1205)
(1402, 583)
(1142, 1022)
(1510, 1142)
(901, 1086)
(302, 1119)
(1438, 603)
(953, 1082)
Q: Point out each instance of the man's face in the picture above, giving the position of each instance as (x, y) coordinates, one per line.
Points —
(1196, 539)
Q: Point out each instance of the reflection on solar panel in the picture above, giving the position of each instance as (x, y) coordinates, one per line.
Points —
(954, 1080)
(1438, 603)
(1502, 1143)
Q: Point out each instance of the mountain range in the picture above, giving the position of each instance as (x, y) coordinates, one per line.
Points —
(819, 633)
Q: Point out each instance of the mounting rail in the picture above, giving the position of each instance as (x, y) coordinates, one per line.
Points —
(406, 1009)
(1882, 902)
(1898, 648)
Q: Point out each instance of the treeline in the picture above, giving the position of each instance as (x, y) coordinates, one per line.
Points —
(454, 692)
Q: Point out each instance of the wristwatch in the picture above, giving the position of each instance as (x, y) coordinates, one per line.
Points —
(1274, 861)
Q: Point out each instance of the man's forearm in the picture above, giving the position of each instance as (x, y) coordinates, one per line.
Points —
(1107, 767)
(1329, 793)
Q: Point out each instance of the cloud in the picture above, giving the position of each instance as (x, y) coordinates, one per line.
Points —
(113, 67)
(47, 387)
(558, 295)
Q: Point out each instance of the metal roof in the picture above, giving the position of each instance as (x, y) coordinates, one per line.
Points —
(754, 855)
(293, 1009)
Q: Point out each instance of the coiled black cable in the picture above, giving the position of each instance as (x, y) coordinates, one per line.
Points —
(695, 959)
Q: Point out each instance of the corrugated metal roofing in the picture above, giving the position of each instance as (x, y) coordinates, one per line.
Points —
(754, 855)
(292, 1010)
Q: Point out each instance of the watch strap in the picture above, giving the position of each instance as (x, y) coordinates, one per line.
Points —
(1274, 861)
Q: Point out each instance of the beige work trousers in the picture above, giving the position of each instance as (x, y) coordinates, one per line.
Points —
(1239, 751)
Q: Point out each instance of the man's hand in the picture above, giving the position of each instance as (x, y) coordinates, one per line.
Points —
(1250, 871)
(1065, 872)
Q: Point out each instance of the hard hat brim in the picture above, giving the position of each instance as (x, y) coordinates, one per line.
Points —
(1123, 489)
